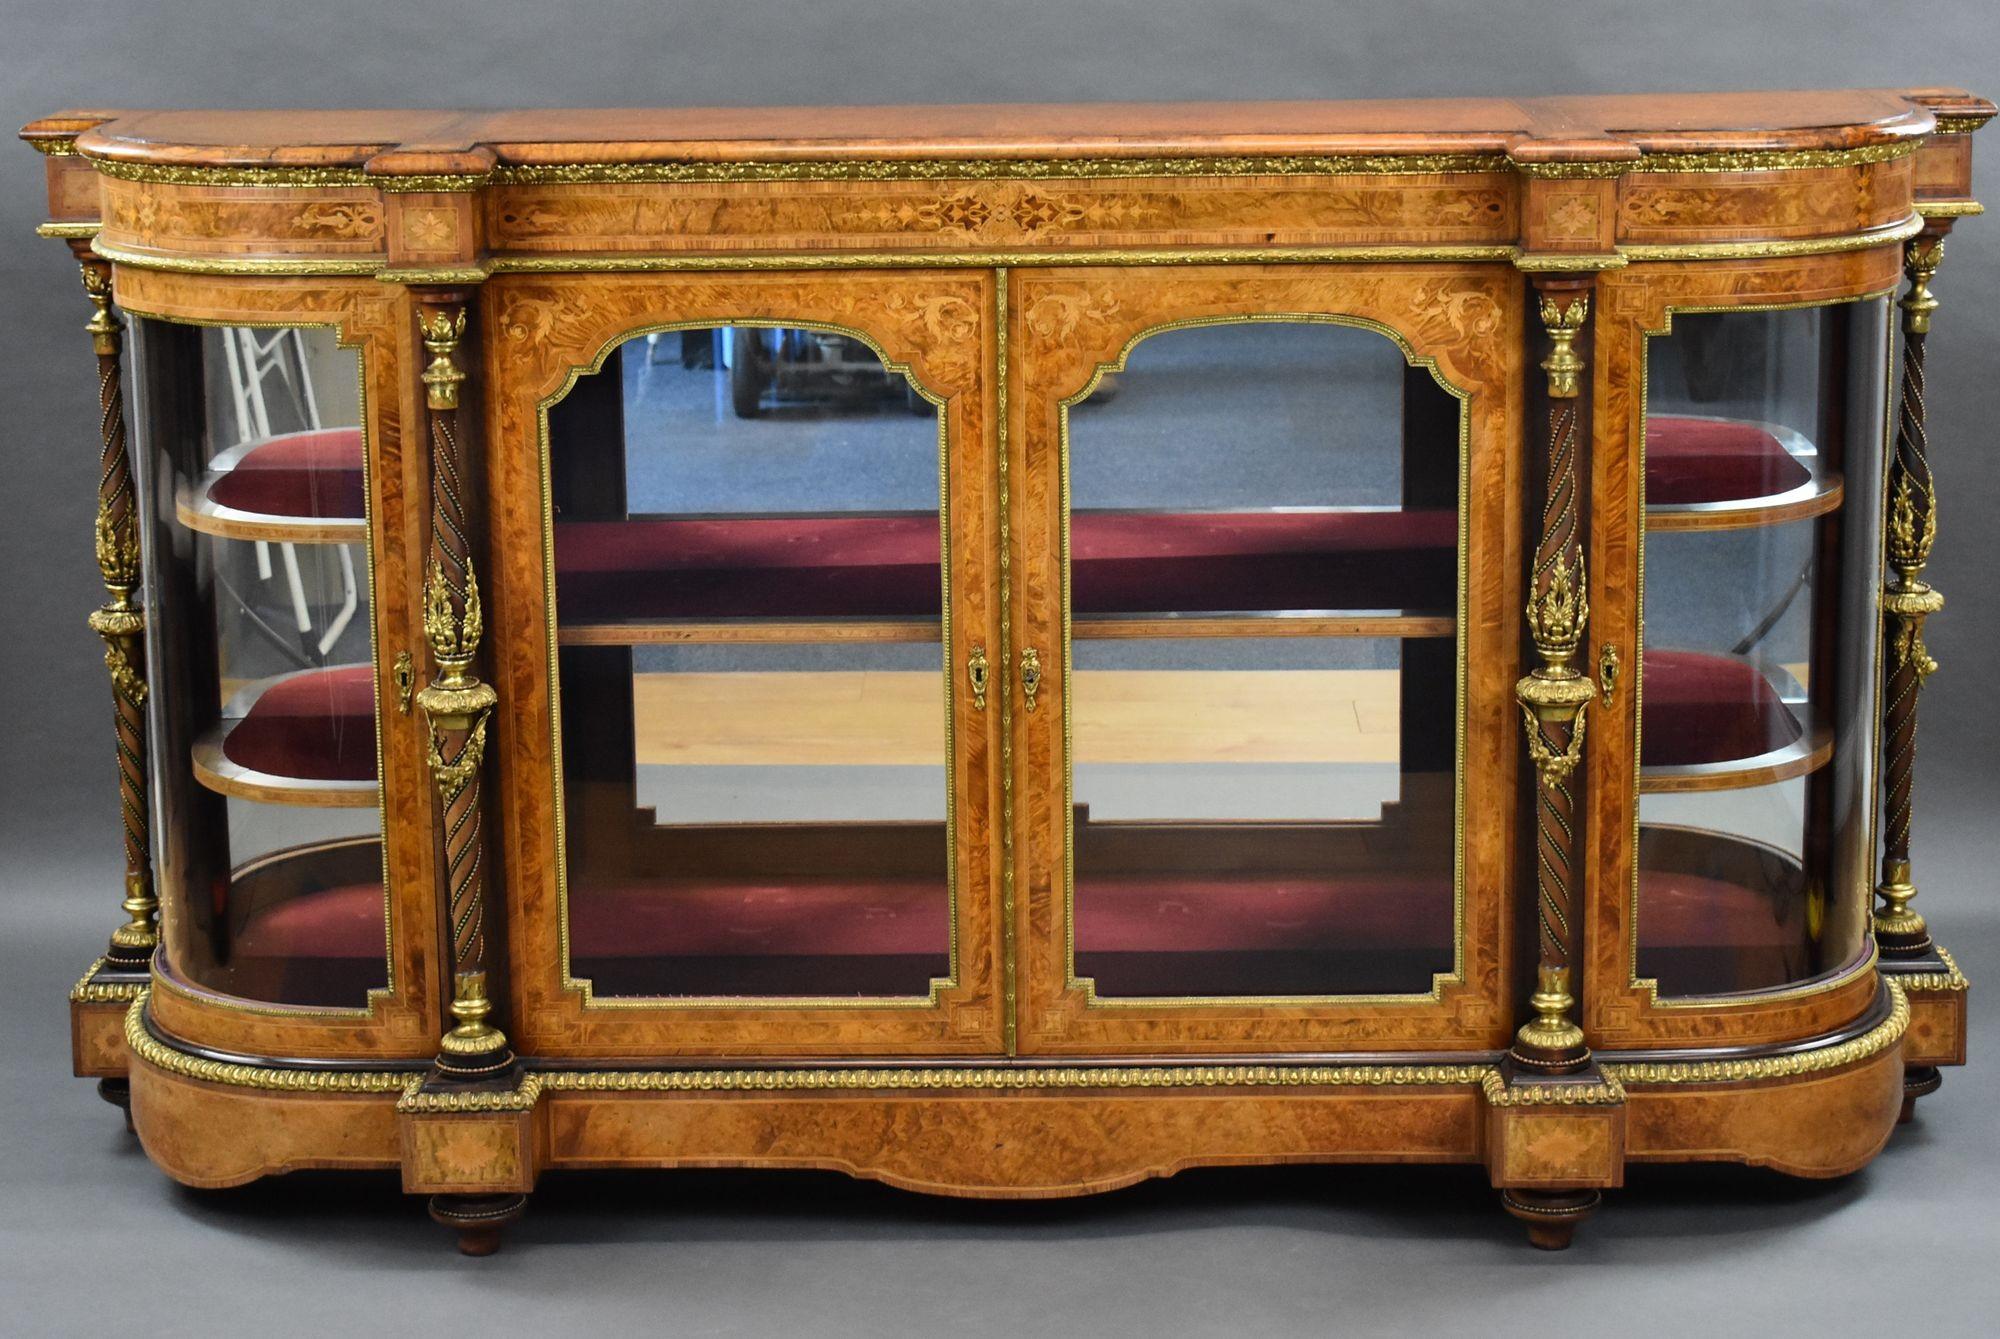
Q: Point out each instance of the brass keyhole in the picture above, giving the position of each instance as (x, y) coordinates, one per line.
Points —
(405, 675)
(1031, 676)
(1607, 671)
(976, 670)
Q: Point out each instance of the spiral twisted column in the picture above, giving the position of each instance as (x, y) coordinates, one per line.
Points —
(1907, 600)
(457, 705)
(121, 622)
(1554, 695)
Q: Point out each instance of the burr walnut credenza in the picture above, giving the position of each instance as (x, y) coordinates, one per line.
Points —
(1014, 650)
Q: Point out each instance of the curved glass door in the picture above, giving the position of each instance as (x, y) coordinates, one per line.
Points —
(1764, 474)
(269, 840)
(750, 594)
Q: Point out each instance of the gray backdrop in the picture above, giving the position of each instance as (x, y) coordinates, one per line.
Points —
(91, 1236)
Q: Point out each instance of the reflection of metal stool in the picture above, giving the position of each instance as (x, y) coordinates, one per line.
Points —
(253, 357)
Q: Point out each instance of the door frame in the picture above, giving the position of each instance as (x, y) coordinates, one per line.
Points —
(544, 332)
(1067, 327)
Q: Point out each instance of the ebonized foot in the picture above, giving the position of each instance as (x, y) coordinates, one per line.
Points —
(1551, 1215)
(478, 1219)
(1919, 1082)
(118, 1092)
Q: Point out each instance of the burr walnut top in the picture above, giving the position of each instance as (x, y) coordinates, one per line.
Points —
(1598, 129)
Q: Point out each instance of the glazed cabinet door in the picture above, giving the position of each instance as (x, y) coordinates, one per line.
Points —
(1742, 494)
(744, 550)
(1262, 521)
(291, 855)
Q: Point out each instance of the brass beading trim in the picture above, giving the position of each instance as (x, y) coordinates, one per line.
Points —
(1541, 1093)
(1961, 124)
(88, 990)
(69, 229)
(1950, 978)
(149, 1049)
(1873, 1042)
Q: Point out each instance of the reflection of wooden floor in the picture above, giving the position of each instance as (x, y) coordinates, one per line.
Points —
(1121, 716)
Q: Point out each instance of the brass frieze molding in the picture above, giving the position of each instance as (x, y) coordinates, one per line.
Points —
(1883, 1036)
(732, 262)
(89, 990)
(1961, 125)
(990, 169)
(1749, 160)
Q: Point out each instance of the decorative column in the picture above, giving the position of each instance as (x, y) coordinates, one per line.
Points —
(1554, 695)
(1906, 602)
(116, 978)
(122, 625)
(457, 705)
(475, 1065)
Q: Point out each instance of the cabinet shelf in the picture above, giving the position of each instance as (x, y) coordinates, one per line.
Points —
(306, 739)
(1719, 913)
(298, 487)
(875, 577)
(1716, 722)
(1732, 474)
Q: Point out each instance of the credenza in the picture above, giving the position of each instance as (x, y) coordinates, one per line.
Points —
(1014, 650)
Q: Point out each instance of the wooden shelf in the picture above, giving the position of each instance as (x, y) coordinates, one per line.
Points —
(1094, 627)
(1769, 454)
(199, 508)
(1822, 494)
(224, 760)
(1812, 750)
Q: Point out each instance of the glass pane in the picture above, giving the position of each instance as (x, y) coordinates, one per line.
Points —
(1263, 572)
(1764, 458)
(750, 597)
(269, 854)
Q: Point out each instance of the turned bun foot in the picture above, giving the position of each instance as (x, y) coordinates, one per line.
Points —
(118, 1092)
(478, 1219)
(1551, 1216)
(1919, 1082)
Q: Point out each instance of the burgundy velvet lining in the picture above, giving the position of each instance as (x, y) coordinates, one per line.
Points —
(1703, 708)
(316, 474)
(341, 922)
(315, 726)
(888, 566)
(1678, 910)
(1715, 460)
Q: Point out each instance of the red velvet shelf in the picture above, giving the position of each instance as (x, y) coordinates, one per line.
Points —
(1721, 474)
(887, 566)
(1701, 709)
(299, 487)
(1136, 935)
(304, 738)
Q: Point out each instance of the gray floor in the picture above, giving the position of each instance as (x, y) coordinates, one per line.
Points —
(95, 1238)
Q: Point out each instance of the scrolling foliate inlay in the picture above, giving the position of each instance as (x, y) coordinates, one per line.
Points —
(931, 325)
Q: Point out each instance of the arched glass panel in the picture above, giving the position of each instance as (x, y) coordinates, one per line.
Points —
(750, 607)
(1263, 567)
